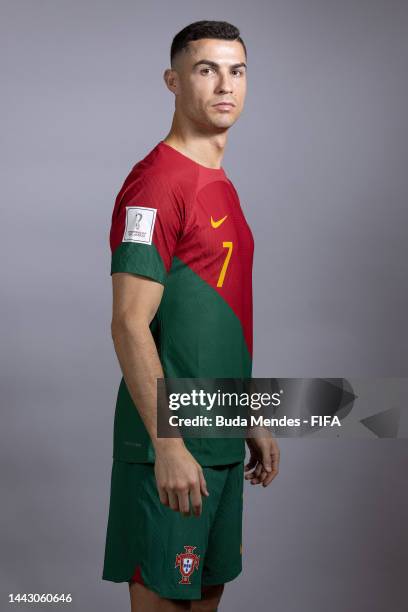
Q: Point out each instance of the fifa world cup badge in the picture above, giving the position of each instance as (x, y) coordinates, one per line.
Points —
(187, 562)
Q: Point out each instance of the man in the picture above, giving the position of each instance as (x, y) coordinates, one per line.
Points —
(182, 307)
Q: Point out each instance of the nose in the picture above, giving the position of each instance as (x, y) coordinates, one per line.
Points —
(224, 84)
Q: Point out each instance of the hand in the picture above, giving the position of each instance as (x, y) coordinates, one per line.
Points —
(263, 464)
(178, 476)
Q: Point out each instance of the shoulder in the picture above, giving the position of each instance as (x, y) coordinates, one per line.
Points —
(158, 176)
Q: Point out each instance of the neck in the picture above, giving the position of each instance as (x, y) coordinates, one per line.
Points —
(203, 148)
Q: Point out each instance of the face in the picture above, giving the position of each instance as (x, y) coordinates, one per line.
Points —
(209, 72)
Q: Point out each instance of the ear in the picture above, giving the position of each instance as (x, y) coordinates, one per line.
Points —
(171, 79)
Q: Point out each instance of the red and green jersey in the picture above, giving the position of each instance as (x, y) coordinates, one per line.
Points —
(181, 224)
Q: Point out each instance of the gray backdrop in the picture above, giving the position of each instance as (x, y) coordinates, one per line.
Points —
(319, 158)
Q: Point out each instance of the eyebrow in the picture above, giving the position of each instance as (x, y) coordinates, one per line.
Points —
(215, 65)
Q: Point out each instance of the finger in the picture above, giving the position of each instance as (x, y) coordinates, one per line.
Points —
(184, 502)
(256, 474)
(270, 477)
(263, 475)
(258, 470)
(164, 498)
(196, 500)
(250, 474)
(266, 459)
(251, 464)
(203, 483)
(275, 462)
(173, 500)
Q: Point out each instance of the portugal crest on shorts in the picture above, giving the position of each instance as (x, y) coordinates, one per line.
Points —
(187, 562)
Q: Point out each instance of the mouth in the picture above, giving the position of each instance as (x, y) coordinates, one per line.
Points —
(224, 105)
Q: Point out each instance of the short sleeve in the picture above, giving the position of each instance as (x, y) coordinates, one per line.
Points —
(147, 222)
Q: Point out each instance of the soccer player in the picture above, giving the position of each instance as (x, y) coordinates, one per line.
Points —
(182, 307)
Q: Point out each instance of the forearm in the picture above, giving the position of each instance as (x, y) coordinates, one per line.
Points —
(141, 367)
(177, 472)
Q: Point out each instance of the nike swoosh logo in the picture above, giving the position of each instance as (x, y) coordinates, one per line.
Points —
(216, 224)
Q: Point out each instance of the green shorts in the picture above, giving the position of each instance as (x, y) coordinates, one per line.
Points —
(171, 554)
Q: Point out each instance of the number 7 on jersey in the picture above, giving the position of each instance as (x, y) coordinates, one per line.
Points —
(227, 245)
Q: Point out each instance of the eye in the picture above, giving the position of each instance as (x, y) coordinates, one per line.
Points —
(238, 72)
(204, 69)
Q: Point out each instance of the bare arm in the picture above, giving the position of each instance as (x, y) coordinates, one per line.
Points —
(135, 302)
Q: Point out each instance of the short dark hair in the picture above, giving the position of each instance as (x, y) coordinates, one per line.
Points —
(204, 29)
